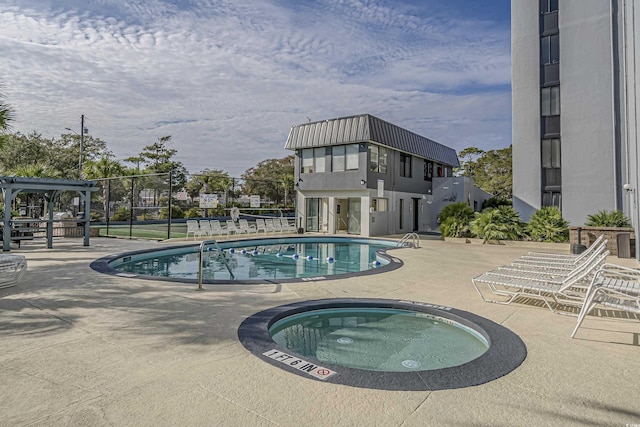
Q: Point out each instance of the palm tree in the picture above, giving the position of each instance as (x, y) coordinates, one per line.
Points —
(6, 115)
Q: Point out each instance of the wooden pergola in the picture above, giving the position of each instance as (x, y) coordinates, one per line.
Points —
(48, 187)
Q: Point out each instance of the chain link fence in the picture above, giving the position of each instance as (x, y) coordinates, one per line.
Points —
(156, 206)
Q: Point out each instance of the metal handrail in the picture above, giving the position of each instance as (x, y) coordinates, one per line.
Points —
(220, 254)
(414, 237)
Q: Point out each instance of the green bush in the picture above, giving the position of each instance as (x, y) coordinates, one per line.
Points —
(121, 214)
(547, 225)
(193, 213)
(176, 212)
(497, 224)
(455, 219)
(608, 219)
(495, 202)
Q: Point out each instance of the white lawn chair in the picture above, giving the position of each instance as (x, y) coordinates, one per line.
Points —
(217, 228)
(560, 264)
(566, 290)
(245, 227)
(286, 227)
(268, 223)
(231, 228)
(277, 225)
(614, 287)
(260, 225)
(192, 227)
(12, 268)
(567, 257)
(205, 228)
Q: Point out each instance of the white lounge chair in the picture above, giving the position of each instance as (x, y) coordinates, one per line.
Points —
(217, 228)
(231, 228)
(245, 227)
(260, 225)
(568, 257)
(277, 225)
(205, 228)
(12, 268)
(268, 223)
(560, 264)
(286, 227)
(192, 227)
(614, 287)
(567, 290)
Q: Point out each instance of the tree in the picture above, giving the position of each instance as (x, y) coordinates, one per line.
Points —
(6, 115)
(209, 181)
(468, 162)
(157, 158)
(104, 168)
(491, 170)
(271, 178)
(502, 223)
(455, 219)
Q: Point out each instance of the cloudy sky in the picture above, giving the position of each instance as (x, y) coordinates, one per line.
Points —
(228, 78)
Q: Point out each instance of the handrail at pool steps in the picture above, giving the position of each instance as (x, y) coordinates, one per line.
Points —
(415, 240)
(204, 244)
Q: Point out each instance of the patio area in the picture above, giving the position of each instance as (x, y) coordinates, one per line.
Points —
(84, 348)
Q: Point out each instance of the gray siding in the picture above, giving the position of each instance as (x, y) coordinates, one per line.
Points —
(365, 128)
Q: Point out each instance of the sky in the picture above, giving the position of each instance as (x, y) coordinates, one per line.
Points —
(227, 79)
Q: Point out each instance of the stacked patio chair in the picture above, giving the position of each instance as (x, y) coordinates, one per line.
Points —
(561, 287)
(12, 268)
(231, 228)
(269, 225)
(192, 227)
(277, 225)
(260, 225)
(613, 287)
(205, 228)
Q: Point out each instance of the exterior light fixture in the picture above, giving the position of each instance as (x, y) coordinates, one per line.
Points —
(363, 182)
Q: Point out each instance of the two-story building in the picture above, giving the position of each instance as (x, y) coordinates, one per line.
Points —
(363, 175)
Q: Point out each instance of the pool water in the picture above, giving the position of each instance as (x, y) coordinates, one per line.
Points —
(379, 339)
(260, 260)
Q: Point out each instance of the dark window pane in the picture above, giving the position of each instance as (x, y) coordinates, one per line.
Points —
(551, 74)
(544, 50)
(550, 23)
(554, 49)
(553, 5)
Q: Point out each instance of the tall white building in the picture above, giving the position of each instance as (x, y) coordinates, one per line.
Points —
(576, 106)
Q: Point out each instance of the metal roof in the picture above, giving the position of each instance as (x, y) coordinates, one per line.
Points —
(368, 128)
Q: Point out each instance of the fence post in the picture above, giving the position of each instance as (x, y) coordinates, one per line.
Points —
(131, 210)
(170, 197)
(108, 204)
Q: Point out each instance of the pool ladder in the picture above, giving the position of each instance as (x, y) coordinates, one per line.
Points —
(415, 240)
(203, 245)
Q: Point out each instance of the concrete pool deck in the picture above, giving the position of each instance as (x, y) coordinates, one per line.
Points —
(85, 348)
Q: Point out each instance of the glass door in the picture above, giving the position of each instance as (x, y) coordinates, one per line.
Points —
(313, 214)
(354, 215)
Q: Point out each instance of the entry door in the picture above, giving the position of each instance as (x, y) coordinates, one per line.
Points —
(313, 214)
(354, 215)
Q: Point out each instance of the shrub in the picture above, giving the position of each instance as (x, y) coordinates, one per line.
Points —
(454, 220)
(193, 213)
(502, 223)
(608, 219)
(121, 214)
(176, 212)
(548, 225)
(495, 202)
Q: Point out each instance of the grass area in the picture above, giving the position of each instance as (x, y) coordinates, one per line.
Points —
(151, 231)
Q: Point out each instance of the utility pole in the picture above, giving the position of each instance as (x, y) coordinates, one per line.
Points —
(82, 131)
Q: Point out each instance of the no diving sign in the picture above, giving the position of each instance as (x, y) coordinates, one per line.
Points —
(302, 365)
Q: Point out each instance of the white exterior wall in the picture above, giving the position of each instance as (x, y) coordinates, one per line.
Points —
(525, 75)
(586, 109)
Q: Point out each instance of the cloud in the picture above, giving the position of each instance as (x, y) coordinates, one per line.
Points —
(221, 76)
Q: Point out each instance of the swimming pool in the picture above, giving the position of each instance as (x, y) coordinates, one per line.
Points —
(272, 260)
(383, 344)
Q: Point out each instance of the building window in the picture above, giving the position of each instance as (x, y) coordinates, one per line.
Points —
(552, 198)
(307, 160)
(337, 158)
(352, 157)
(379, 205)
(313, 160)
(428, 170)
(550, 49)
(550, 101)
(405, 165)
(548, 6)
(551, 153)
(378, 157)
